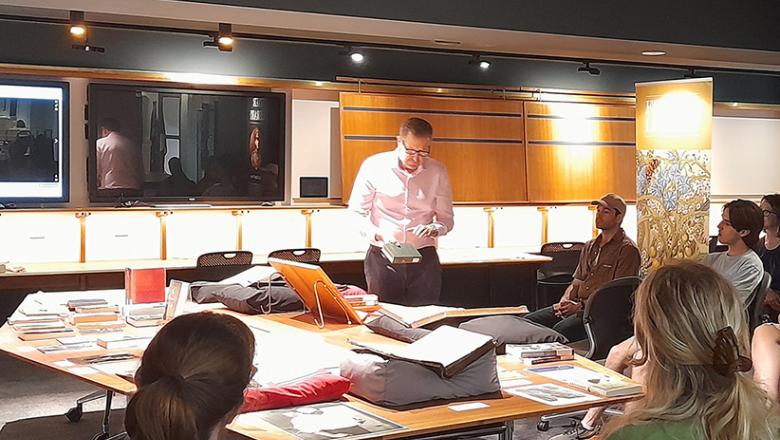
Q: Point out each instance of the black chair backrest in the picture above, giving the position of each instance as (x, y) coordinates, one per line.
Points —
(756, 307)
(226, 258)
(565, 257)
(216, 266)
(303, 255)
(608, 316)
(714, 246)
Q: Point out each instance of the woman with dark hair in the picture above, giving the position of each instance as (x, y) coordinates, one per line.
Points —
(192, 379)
(769, 249)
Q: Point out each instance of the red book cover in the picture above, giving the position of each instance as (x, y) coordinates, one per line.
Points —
(145, 285)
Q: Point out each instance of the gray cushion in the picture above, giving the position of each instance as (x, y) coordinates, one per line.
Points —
(507, 329)
(390, 382)
(387, 326)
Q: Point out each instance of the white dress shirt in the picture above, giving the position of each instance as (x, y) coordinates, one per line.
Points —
(390, 201)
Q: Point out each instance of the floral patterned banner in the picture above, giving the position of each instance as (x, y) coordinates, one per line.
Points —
(673, 199)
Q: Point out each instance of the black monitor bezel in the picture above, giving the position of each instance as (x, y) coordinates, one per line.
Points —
(92, 122)
(64, 141)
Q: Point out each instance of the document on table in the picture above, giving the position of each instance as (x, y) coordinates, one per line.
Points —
(288, 359)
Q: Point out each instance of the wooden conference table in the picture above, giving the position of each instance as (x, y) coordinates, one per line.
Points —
(493, 416)
(501, 276)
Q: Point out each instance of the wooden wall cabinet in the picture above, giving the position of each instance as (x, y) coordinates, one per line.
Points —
(500, 151)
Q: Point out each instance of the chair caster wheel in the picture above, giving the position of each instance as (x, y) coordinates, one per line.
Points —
(543, 426)
(74, 414)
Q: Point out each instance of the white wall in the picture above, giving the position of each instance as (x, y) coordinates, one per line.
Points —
(316, 143)
(745, 156)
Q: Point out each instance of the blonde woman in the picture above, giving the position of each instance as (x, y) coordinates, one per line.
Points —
(692, 332)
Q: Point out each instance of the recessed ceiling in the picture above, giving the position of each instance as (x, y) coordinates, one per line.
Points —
(205, 17)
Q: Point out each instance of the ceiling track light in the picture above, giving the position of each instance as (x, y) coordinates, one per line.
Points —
(586, 68)
(223, 40)
(91, 48)
(77, 28)
(356, 56)
(476, 60)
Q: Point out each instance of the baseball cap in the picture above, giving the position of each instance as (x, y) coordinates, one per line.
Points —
(612, 201)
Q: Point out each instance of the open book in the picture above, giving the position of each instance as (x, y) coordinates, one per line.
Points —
(423, 315)
(446, 350)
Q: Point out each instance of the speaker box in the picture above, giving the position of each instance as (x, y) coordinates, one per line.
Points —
(314, 187)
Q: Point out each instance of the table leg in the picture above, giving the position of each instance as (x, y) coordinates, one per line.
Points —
(104, 434)
(509, 430)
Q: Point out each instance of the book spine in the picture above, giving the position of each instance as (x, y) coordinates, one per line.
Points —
(546, 353)
(544, 360)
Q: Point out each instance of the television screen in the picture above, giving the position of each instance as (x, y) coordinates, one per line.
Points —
(157, 144)
(33, 142)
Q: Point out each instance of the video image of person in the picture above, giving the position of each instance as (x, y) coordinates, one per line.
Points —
(29, 140)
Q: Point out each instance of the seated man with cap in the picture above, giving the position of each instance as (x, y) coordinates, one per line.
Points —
(609, 256)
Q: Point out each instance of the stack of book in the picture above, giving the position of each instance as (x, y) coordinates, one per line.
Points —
(96, 318)
(40, 330)
(145, 315)
(534, 354)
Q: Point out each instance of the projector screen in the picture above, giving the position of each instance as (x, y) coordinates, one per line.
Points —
(33, 142)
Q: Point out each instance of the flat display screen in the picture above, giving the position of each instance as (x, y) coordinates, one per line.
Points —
(33, 142)
(173, 145)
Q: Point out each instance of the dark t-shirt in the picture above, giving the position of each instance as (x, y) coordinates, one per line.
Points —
(771, 260)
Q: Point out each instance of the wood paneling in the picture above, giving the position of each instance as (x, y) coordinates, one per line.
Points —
(419, 103)
(570, 109)
(479, 141)
(445, 126)
(484, 172)
(580, 130)
(578, 152)
(578, 173)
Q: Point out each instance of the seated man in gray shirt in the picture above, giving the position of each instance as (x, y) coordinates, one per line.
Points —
(741, 223)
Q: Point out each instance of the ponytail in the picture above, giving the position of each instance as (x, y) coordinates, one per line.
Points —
(191, 379)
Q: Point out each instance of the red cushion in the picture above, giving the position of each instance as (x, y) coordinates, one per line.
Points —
(321, 388)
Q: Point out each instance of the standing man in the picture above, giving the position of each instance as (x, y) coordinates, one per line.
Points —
(118, 161)
(404, 196)
(609, 256)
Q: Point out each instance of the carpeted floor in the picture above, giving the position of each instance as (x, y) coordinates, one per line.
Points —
(33, 401)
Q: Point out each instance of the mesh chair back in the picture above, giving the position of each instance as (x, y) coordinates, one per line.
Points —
(303, 255)
(227, 258)
(608, 316)
(216, 266)
(565, 257)
(756, 307)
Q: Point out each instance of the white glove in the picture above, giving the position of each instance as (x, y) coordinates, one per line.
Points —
(431, 230)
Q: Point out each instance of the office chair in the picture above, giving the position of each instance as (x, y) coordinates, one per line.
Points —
(302, 255)
(714, 246)
(608, 319)
(554, 277)
(215, 266)
(755, 310)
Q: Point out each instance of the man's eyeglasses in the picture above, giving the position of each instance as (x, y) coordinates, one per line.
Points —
(413, 152)
(767, 213)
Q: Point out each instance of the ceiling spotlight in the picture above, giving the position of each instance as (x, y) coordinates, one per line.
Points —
(653, 53)
(76, 26)
(690, 73)
(476, 60)
(88, 48)
(356, 57)
(223, 40)
(586, 68)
